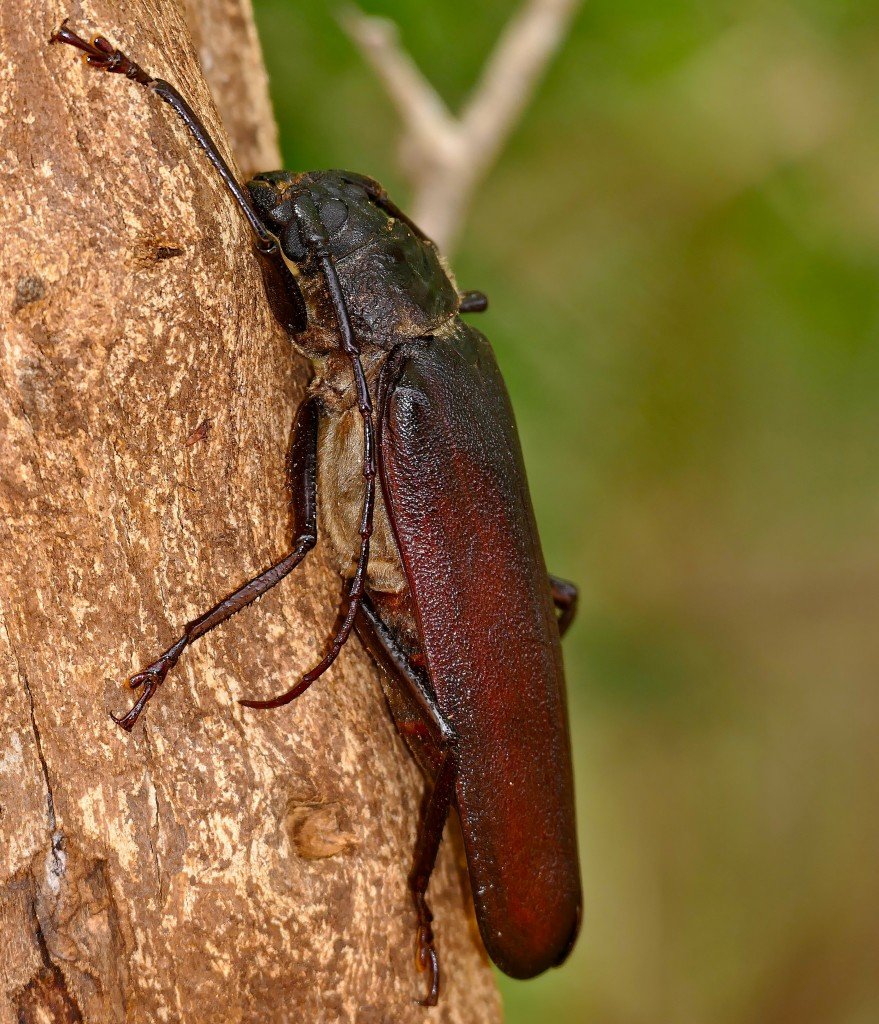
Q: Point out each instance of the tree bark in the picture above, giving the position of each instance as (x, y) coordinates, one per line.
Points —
(218, 864)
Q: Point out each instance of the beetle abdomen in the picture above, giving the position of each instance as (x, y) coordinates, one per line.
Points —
(340, 473)
(458, 500)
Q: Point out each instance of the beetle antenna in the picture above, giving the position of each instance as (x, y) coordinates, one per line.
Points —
(100, 53)
(315, 235)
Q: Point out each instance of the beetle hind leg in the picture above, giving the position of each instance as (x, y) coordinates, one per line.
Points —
(434, 743)
(564, 597)
(430, 835)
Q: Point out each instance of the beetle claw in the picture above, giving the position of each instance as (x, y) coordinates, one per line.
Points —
(150, 683)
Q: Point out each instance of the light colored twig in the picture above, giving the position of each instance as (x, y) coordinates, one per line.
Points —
(444, 156)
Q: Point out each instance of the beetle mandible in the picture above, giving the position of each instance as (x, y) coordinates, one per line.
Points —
(447, 585)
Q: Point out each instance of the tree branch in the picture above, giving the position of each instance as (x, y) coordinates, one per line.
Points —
(217, 864)
(446, 157)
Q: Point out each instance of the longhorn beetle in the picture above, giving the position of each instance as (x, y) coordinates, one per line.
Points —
(447, 585)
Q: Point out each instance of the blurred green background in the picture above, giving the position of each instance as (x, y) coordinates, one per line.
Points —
(681, 246)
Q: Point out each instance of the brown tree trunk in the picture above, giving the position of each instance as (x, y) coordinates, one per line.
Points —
(219, 864)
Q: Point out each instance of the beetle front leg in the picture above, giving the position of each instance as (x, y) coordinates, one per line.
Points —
(564, 597)
(303, 475)
(102, 55)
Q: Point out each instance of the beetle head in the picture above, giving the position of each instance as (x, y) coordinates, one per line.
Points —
(394, 282)
(343, 201)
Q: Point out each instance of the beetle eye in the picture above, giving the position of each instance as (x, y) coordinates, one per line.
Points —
(333, 213)
(282, 212)
(291, 242)
(352, 189)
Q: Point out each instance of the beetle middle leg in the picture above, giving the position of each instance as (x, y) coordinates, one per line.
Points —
(435, 746)
(303, 473)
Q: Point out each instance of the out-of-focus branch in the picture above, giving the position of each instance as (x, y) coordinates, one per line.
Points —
(446, 157)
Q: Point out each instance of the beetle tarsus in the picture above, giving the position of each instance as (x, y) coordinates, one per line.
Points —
(150, 682)
(425, 955)
(102, 54)
(150, 678)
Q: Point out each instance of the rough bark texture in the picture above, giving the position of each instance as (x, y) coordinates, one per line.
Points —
(219, 864)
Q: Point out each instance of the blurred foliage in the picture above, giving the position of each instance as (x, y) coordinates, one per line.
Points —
(681, 245)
